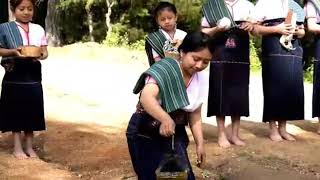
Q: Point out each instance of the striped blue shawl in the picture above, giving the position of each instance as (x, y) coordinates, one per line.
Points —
(173, 92)
(155, 41)
(10, 38)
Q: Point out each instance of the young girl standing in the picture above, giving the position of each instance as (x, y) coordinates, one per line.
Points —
(21, 102)
(229, 69)
(282, 73)
(166, 17)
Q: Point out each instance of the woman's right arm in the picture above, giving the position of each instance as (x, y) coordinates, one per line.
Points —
(151, 105)
(283, 29)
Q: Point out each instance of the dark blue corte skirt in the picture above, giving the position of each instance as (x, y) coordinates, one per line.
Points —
(21, 107)
(229, 76)
(282, 75)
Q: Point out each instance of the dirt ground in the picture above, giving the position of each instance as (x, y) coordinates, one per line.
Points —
(85, 137)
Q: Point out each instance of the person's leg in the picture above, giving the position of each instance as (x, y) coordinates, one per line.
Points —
(222, 137)
(274, 132)
(283, 131)
(18, 150)
(235, 139)
(29, 145)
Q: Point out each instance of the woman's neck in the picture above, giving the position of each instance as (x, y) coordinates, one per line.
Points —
(186, 76)
(24, 25)
(171, 33)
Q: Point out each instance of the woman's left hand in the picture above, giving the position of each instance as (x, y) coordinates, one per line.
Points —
(201, 155)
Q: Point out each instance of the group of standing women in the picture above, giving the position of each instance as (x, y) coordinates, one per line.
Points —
(225, 38)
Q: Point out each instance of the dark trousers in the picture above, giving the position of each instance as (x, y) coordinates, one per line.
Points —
(147, 151)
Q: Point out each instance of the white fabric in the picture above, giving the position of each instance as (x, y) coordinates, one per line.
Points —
(270, 9)
(311, 11)
(197, 90)
(240, 10)
(36, 33)
(179, 35)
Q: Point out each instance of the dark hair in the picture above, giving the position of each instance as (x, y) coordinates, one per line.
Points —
(196, 41)
(15, 3)
(164, 6)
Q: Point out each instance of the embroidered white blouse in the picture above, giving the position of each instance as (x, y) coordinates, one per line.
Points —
(240, 10)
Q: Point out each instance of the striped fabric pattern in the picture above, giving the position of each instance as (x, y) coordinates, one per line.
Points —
(10, 38)
(316, 4)
(296, 8)
(173, 92)
(157, 40)
(214, 10)
(11, 32)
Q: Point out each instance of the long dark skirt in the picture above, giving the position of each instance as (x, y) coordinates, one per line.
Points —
(282, 76)
(229, 76)
(147, 150)
(21, 107)
(316, 80)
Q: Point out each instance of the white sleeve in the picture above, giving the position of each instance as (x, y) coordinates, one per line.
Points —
(257, 12)
(203, 85)
(310, 10)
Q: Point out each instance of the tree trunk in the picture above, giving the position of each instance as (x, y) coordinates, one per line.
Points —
(53, 34)
(90, 24)
(108, 17)
(11, 17)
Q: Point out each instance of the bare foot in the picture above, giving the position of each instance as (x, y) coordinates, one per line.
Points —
(19, 154)
(223, 141)
(275, 136)
(285, 135)
(237, 141)
(31, 153)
